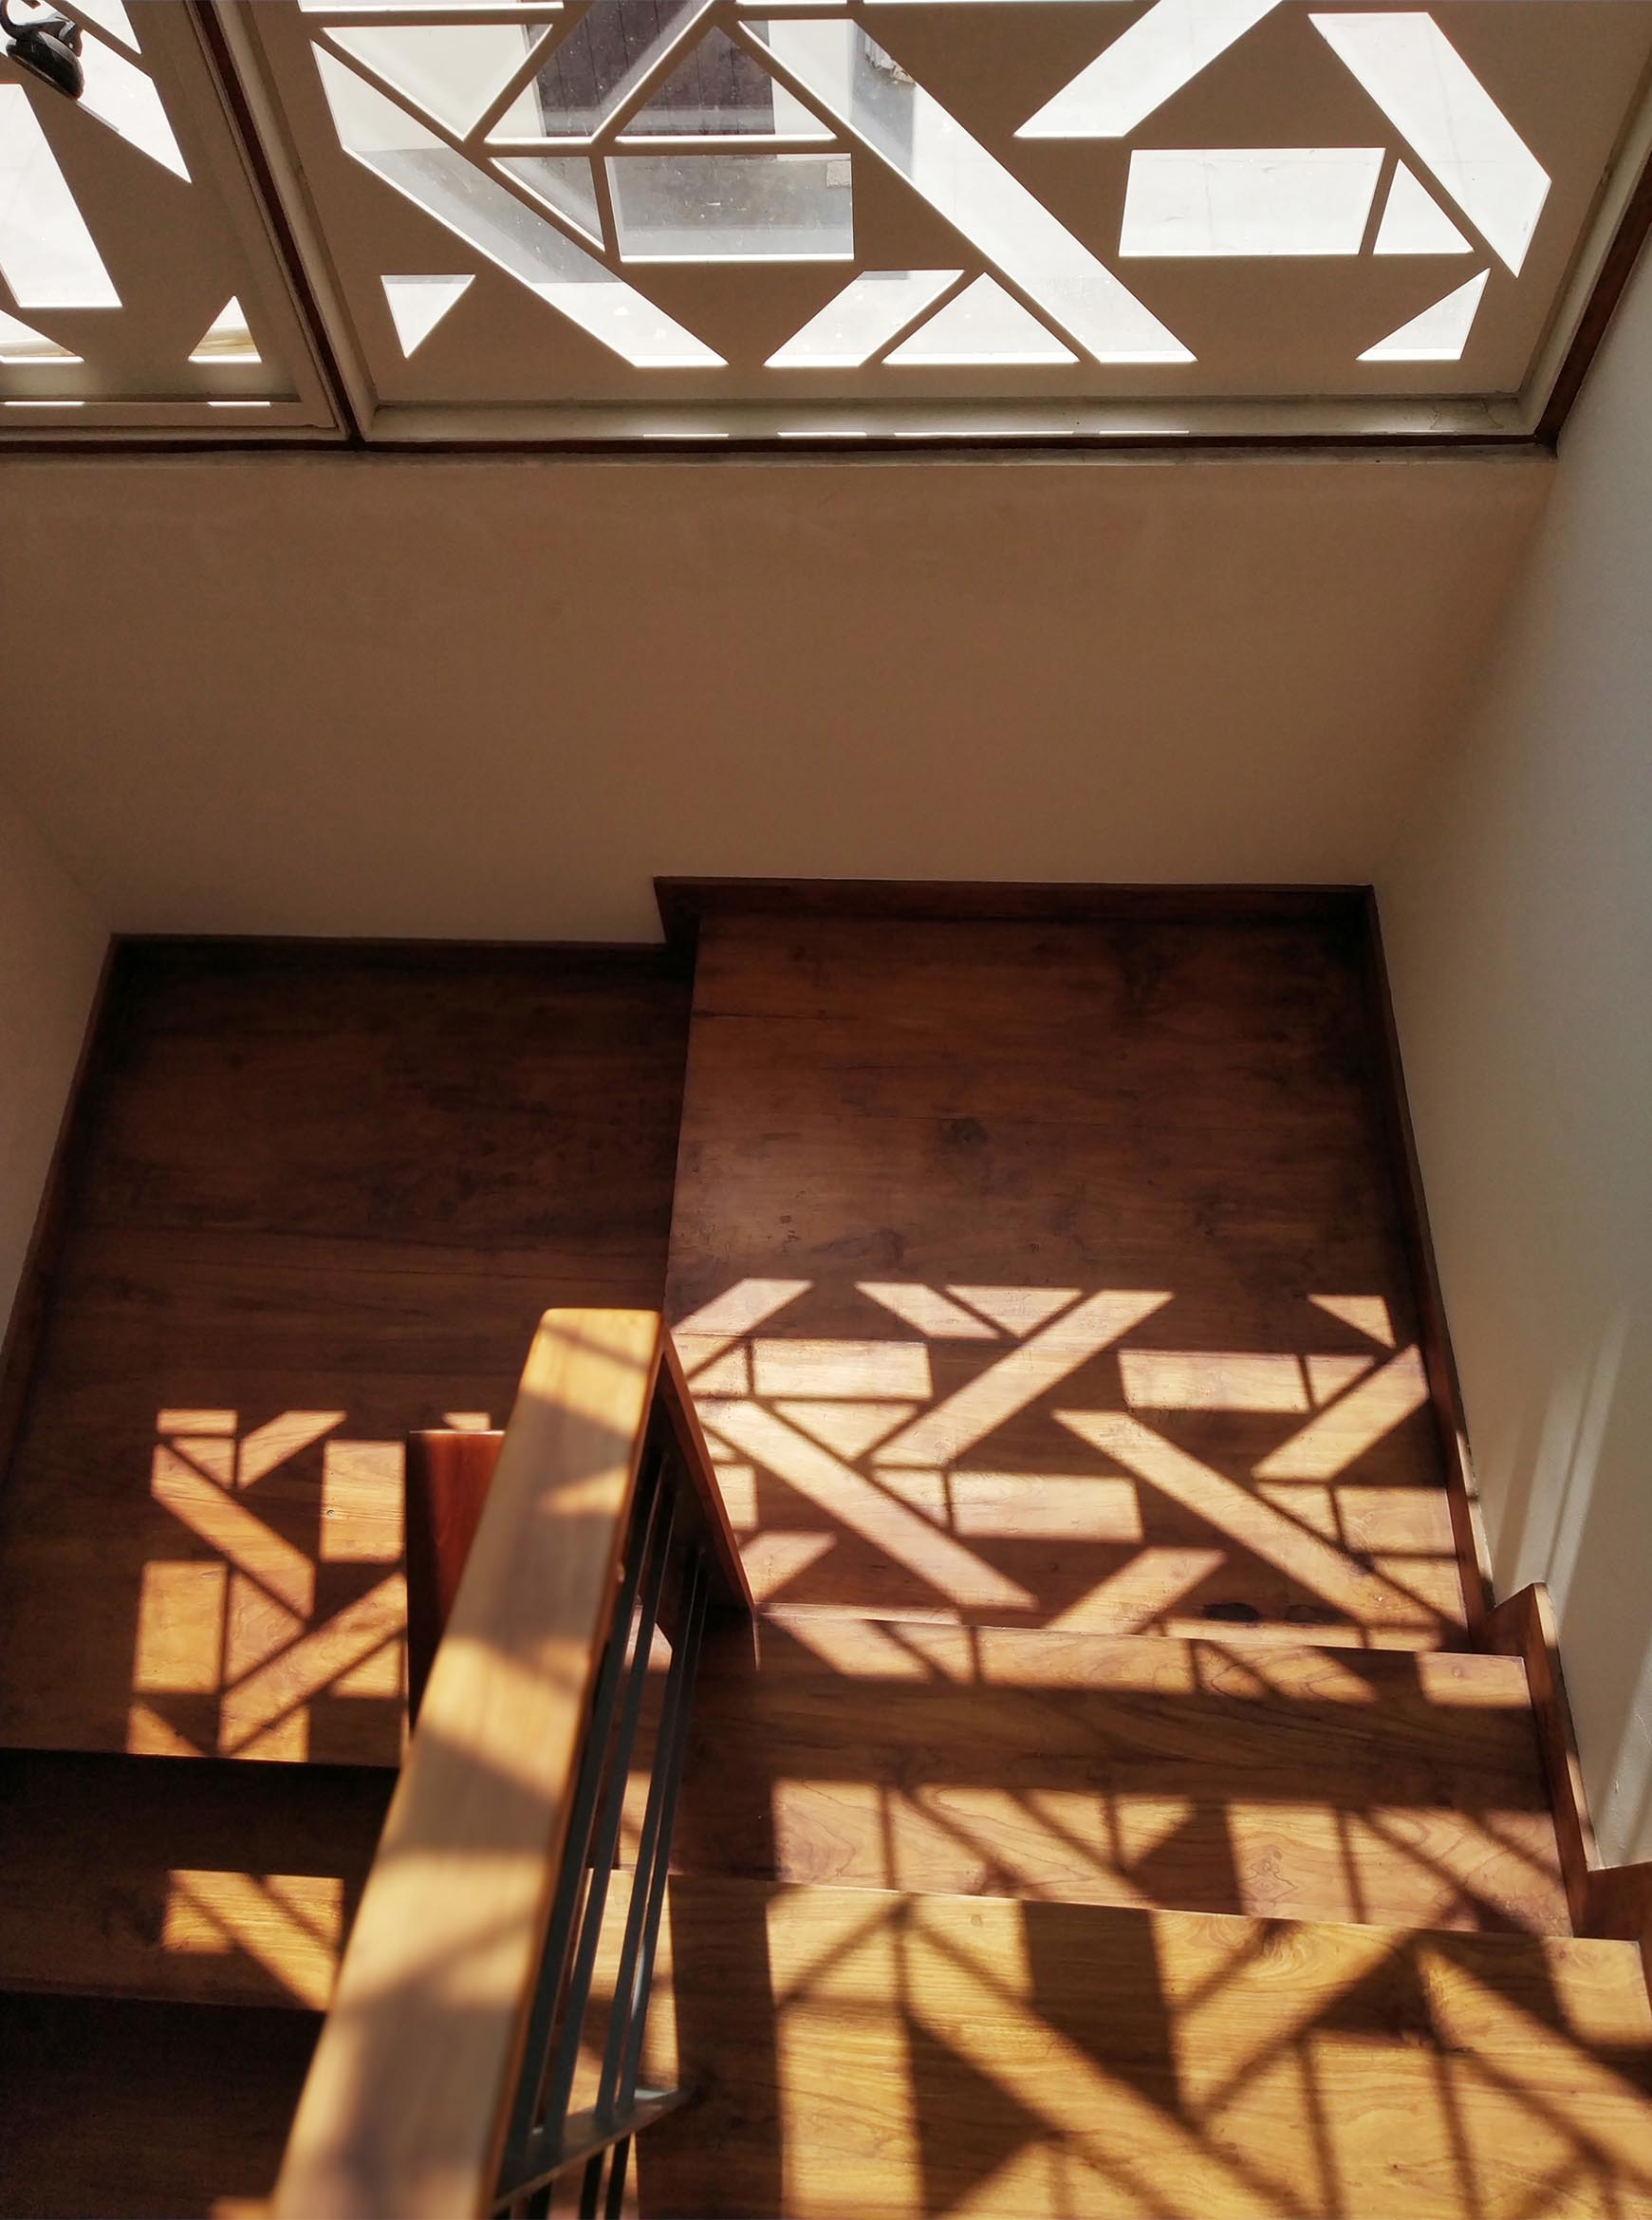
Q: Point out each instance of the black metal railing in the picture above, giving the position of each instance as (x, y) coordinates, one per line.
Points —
(664, 1589)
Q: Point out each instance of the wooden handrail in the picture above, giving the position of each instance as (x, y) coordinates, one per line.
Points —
(404, 2110)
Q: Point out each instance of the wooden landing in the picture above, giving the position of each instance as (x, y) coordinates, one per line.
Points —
(884, 2055)
(1053, 1276)
(1282, 1781)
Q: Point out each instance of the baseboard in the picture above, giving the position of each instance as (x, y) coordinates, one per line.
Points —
(1445, 1399)
(1523, 1625)
(685, 903)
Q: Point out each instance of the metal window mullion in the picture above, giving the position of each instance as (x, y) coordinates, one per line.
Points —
(570, 1891)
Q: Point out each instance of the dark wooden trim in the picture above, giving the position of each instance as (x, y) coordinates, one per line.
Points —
(445, 1486)
(732, 1591)
(24, 1328)
(1523, 1625)
(1445, 1397)
(1615, 272)
(684, 903)
(1620, 1908)
(388, 951)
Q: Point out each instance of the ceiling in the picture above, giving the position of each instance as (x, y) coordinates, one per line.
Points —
(357, 694)
(490, 221)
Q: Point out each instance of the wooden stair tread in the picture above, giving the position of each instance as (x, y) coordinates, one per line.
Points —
(883, 2054)
(1285, 1781)
(212, 1883)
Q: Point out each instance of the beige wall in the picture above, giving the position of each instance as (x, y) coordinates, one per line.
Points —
(51, 948)
(486, 696)
(1517, 911)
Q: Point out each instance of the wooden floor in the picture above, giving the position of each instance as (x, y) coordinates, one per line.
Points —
(1053, 1276)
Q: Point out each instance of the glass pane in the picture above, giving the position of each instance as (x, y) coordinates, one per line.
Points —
(719, 90)
(719, 207)
(602, 58)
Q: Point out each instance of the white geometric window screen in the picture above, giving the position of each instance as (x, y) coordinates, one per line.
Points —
(137, 286)
(687, 215)
(884, 201)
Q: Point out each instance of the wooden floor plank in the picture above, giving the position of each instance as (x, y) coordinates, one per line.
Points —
(891, 2055)
(1292, 1782)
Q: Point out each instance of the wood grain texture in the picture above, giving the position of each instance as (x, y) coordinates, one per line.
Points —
(447, 1481)
(1523, 1625)
(1404, 1790)
(876, 1114)
(211, 1884)
(315, 1180)
(404, 2110)
(144, 2111)
(895, 2054)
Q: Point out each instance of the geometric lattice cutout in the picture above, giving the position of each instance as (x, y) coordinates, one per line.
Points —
(1439, 106)
(864, 316)
(1438, 335)
(593, 70)
(983, 324)
(122, 97)
(1414, 223)
(717, 91)
(490, 218)
(48, 256)
(227, 338)
(453, 71)
(417, 304)
(20, 343)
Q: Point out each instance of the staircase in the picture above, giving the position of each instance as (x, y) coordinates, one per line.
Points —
(992, 1921)
(1111, 1805)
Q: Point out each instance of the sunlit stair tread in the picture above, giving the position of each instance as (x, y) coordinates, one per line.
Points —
(1294, 1781)
(883, 2054)
(199, 1881)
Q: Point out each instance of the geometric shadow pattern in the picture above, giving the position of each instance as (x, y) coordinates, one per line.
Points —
(1051, 1457)
(284, 1599)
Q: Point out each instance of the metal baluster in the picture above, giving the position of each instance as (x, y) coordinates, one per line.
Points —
(623, 2054)
(617, 2163)
(565, 1910)
(565, 2056)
